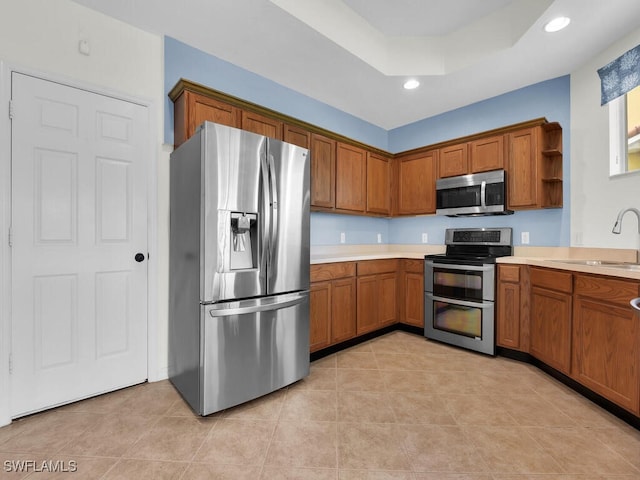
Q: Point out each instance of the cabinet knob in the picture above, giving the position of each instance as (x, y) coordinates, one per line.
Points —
(635, 303)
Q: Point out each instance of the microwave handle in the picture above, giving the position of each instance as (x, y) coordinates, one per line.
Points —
(483, 194)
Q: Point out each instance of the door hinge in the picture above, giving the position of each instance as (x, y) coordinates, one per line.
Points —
(11, 109)
(10, 237)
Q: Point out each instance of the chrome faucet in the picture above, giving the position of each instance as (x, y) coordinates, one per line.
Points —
(618, 224)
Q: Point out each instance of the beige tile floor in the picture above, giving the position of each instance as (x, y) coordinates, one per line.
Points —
(396, 407)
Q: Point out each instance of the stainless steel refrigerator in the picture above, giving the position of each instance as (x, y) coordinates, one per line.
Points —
(239, 267)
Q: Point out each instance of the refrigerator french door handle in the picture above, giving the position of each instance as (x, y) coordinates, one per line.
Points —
(274, 207)
(266, 212)
(287, 301)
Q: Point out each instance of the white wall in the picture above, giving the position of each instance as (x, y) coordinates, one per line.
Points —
(42, 36)
(596, 198)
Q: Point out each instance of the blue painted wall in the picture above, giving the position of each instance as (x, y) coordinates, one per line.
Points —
(184, 61)
(550, 99)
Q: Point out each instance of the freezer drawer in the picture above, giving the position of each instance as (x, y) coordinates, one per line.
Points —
(252, 347)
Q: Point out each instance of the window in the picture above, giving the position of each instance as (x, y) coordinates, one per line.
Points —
(624, 130)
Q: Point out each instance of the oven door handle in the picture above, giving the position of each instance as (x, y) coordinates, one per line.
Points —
(460, 302)
(474, 268)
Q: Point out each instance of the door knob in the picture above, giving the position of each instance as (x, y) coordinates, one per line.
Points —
(139, 257)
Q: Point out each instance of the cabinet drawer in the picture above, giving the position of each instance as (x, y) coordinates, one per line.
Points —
(372, 267)
(413, 265)
(606, 289)
(330, 271)
(509, 273)
(551, 279)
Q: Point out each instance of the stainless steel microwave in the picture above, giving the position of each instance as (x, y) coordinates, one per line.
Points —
(474, 194)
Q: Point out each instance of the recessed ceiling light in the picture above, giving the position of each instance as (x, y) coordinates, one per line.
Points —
(411, 84)
(556, 24)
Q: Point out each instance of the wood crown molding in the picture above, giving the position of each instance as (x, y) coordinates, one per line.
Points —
(184, 84)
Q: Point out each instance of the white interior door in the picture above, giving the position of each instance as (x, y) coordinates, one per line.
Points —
(79, 217)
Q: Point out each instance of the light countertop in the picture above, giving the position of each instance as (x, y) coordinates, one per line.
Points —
(355, 253)
(596, 260)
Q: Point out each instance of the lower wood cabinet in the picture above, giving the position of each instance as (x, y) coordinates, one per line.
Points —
(332, 304)
(412, 292)
(579, 324)
(377, 295)
(551, 317)
(606, 339)
(509, 306)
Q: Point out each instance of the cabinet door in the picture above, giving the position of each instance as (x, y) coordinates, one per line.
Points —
(367, 316)
(522, 174)
(606, 351)
(487, 154)
(414, 299)
(351, 176)
(297, 136)
(378, 184)
(417, 183)
(319, 316)
(256, 123)
(453, 160)
(323, 171)
(551, 328)
(343, 309)
(387, 299)
(508, 318)
(191, 109)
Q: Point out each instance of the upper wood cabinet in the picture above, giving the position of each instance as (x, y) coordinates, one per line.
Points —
(481, 155)
(256, 123)
(522, 173)
(417, 183)
(297, 136)
(351, 178)
(378, 184)
(323, 171)
(487, 154)
(191, 109)
(453, 160)
(535, 167)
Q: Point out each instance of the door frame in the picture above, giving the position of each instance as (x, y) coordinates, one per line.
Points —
(155, 371)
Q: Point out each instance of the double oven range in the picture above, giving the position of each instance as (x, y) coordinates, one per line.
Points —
(460, 287)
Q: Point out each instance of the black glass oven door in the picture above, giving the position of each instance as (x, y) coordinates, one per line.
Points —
(465, 282)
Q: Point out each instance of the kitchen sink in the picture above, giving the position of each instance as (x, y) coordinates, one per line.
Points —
(602, 263)
(627, 266)
(607, 263)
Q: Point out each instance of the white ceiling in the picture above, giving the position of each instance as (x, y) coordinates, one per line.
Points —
(355, 54)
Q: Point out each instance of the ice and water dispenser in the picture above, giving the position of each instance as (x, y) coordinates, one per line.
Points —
(244, 240)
